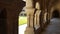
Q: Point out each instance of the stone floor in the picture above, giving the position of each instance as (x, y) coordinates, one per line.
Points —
(53, 27)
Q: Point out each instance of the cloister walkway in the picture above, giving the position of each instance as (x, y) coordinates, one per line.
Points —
(53, 27)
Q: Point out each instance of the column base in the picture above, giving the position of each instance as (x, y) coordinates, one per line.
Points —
(37, 26)
(29, 30)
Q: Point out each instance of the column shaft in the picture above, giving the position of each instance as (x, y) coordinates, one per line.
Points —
(37, 20)
(30, 12)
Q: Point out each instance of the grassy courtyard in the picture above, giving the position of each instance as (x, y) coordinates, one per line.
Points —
(22, 20)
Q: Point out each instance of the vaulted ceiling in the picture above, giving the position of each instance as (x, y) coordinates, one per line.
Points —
(48, 3)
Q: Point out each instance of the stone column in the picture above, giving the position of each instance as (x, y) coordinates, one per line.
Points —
(37, 23)
(42, 19)
(45, 14)
(30, 14)
(48, 15)
(35, 20)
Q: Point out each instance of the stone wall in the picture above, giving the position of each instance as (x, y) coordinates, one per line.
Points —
(13, 8)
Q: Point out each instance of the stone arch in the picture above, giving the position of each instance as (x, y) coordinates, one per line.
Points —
(21, 8)
(23, 4)
(55, 14)
(3, 21)
(53, 9)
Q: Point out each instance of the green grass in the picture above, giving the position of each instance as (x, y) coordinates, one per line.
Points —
(22, 20)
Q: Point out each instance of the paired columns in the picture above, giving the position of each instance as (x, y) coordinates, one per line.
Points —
(37, 17)
(30, 17)
(42, 19)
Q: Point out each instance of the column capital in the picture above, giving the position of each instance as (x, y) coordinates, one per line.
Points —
(37, 5)
(30, 10)
(29, 3)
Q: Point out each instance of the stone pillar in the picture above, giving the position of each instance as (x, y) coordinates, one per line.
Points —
(45, 17)
(35, 20)
(45, 14)
(30, 24)
(37, 23)
(42, 19)
(48, 15)
(30, 14)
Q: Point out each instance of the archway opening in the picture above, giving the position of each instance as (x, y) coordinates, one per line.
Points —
(55, 14)
(22, 20)
(3, 21)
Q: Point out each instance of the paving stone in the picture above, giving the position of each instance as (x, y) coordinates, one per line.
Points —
(53, 27)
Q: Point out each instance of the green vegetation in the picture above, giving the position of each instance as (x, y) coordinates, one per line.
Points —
(22, 20)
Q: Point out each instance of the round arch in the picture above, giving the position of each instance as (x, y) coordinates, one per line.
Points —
(55, 14)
